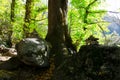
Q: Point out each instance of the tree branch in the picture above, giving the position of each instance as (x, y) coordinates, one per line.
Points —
(87, 11)
(100, 11)
(39, 20)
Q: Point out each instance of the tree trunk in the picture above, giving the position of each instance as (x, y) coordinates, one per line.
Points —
(27, 18)
(12, 18)
(58, 30)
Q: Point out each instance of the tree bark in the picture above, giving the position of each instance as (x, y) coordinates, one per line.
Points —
(12, 18)
(58, 34)
(27, 18)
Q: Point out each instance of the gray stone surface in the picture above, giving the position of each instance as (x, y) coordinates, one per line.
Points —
(34, 52)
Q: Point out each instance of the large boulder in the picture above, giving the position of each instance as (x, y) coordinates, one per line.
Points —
(33, 52)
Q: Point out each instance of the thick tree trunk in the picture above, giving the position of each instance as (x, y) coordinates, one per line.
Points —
(58, 30)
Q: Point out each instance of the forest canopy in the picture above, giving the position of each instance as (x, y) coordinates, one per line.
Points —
(18, 18)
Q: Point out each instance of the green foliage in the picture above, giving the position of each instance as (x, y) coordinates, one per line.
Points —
(84, 19)
(5, 26)
(38, 19)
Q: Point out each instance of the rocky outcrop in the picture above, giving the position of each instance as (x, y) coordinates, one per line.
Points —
(93, 62)
(101, 62)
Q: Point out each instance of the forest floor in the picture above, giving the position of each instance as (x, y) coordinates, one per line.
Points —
(93, 62)
(13, 69)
